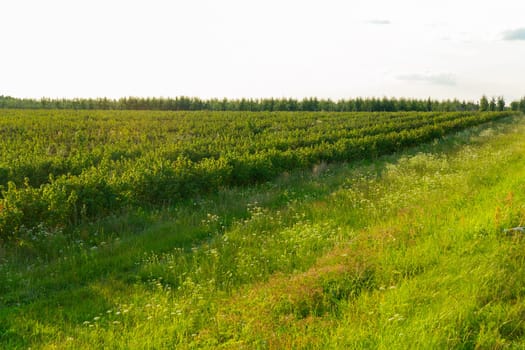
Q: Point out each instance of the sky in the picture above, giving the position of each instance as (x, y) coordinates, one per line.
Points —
(255, 49)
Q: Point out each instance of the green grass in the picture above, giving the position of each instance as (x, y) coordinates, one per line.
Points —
(406, 251)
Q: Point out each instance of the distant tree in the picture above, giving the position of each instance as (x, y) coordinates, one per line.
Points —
(522, 104)
(429, 105)
(402, 104)
(492, 104)
(501, 104)
(243, 105)
(358, 105)
(484, 104)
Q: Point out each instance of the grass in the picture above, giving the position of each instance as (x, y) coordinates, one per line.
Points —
(404, 251)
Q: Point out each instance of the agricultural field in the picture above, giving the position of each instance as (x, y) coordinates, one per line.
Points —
(271, 230)
(60, 168)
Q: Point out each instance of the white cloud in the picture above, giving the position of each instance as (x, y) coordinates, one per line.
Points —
(379, 21)
(437, 79)
(516, 34)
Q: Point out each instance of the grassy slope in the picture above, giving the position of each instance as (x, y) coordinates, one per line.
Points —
(407, 251)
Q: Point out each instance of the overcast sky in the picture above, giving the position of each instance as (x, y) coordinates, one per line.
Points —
(271, 48)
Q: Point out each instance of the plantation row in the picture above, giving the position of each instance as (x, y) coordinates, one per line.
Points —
(59, 167)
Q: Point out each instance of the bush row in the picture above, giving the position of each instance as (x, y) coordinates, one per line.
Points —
(65, 200)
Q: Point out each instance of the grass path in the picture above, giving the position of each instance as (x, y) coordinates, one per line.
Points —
(407, 251)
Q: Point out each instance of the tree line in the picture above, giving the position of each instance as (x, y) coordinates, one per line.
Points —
(518, 105)
(311, 104)
(183, 103)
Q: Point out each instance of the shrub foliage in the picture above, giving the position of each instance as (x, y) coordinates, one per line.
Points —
(59, 167)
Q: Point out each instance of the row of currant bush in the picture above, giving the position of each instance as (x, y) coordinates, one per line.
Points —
(64, 200)
(35, 144)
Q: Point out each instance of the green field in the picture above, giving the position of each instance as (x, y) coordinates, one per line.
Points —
(150, 230)
(60, 168)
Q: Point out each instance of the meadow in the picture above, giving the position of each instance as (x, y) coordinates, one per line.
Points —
(261, 230)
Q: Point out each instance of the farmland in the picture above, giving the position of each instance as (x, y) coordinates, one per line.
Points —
(61, 168)
(128, 229)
